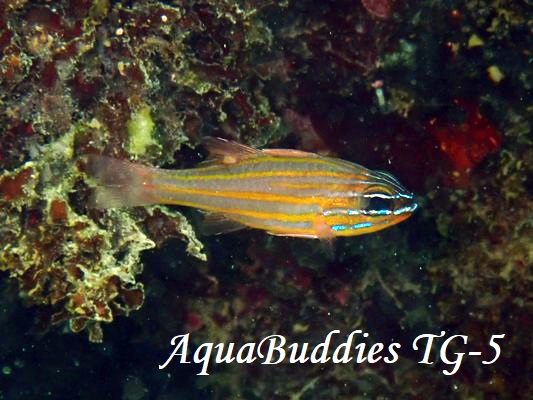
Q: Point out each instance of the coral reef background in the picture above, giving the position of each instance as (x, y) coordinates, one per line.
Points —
(437, 93)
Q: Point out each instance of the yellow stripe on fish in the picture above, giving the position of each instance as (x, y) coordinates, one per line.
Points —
(285, 192)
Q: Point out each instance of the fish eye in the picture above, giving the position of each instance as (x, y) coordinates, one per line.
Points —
(379, 203)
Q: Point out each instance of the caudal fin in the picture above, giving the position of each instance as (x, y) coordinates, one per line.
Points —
(120, 183)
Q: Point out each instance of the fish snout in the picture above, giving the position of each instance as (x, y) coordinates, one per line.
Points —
(407, 203)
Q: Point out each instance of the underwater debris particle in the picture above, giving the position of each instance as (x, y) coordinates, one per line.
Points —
(475, 41)
(495, 74)
(96, 334)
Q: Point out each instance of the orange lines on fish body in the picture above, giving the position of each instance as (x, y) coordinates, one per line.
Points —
(314, 159)
(247, 213)
(269, 174)
(260, 196)
(285, 192)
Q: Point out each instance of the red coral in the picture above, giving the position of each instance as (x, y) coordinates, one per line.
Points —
(11, 187)
(379, 8)
(193, 321)
(58, 211)
(465, 144)
(341, 295)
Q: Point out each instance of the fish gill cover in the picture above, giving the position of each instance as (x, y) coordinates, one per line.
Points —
(436, 93)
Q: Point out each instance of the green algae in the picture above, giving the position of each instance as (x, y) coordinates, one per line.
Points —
(141, 130)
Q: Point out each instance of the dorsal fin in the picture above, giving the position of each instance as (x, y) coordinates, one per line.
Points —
(222, 151)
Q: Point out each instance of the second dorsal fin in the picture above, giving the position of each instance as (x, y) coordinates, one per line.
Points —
(222, 151)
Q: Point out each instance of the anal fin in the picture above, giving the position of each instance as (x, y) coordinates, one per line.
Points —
(289, 153)
(295, 235)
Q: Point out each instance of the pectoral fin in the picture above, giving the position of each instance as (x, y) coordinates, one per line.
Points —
(216, 224)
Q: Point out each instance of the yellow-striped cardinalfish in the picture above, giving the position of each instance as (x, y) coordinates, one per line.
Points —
(284, 192)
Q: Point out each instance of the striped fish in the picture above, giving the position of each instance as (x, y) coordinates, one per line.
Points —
(284, 192)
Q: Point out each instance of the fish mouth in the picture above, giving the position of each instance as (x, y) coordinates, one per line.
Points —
(407, 209)
(408, 205)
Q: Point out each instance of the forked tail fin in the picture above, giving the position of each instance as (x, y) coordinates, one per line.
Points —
(120, 183)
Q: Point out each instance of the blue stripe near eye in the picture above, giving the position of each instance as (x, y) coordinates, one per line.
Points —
(361, 225)
(339, 227)
(407, 209)
(382, 212)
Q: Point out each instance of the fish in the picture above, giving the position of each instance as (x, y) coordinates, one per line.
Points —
(284, 192)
